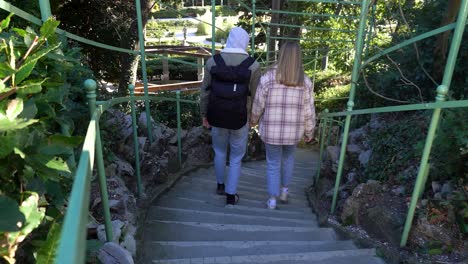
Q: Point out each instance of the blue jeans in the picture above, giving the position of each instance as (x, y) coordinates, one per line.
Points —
(280, 165)
(237, 140)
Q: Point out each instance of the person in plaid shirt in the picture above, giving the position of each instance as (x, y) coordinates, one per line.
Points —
(284, 107)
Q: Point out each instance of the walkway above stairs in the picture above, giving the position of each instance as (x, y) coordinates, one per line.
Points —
(190, 223)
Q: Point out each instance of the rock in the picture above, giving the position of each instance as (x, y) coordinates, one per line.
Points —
(375, 122)
(123, 167)
(438, 196)
(142, 143)
(112, 253)
(350, 177)
(350, 213)
(162, 134)
(196, 136)
(436, 187)
(364, 157)
(431, 232)
(384, 223)
(155, 170)
(446, 188)
(129, 244)
(173, 140)
(116, 231)
(357, 136)
(143, 123)
(117, 206)
(119, 123)
(372, 187)
(424, 202)
(400, 191)
(353, 149)
(111, 170)
(333, 153)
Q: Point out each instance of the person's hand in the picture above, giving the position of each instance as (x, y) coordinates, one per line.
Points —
(307, 139)
(205, 123)
(252, 124)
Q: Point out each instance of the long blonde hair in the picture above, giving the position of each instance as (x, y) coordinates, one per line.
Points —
(289, 68)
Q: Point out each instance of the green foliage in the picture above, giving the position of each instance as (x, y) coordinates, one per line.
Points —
(396, 147)
(334, 99)
(223, 34)
(40, 100)
(203, 29)
(184, 12)
(166, 112)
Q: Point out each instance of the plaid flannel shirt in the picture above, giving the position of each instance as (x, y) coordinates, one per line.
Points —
(285, 113)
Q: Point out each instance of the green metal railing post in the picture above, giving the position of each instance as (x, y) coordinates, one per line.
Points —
(442, 91)
(179, 143)
(213, 27)
(268, 45)
(315, 70)
(252, 52)
(323, 130)
(131, 89)
(46, 12)
(352, 92)
(143, 69)
(91, 95)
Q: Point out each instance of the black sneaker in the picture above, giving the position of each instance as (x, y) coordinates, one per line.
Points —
(232, 199)
(220, 189)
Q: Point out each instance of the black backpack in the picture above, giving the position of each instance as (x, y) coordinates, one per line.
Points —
(227, 104)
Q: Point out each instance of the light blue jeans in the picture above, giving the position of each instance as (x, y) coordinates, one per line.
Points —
(237, 140)
(280, 166)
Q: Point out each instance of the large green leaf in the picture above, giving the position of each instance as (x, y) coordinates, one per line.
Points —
(32, 212)
(48, 250)
(10, 125)
(48, 28)
(59, 144)
(30, 87)
(5, 70)
(15, 107)
(5, 22)
(7, 143)
(30, 110)
(58, 164)
(11, 215)
(25, 70)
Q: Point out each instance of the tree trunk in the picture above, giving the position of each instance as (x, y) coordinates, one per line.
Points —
(441, 46)
(271, 56)
(326, 48)
(129, 62)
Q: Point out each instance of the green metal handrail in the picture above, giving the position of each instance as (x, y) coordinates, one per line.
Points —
(305, 14)
(437, 106)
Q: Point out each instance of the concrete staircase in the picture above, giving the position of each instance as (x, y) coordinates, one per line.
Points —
(190, 223)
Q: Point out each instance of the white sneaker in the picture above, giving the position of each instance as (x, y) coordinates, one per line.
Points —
(284, 195)
(271, 203)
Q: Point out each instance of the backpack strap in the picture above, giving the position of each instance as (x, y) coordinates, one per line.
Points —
(247, 62)
(219, 60)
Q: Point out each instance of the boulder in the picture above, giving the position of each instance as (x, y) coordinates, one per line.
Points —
(123, 167)
(383, 223)
(364, 157)
(113, 253)
(116, 231)
(119, 123)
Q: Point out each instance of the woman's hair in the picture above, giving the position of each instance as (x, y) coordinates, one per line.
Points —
(289, 68)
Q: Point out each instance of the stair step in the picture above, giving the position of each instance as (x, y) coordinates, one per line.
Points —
(247, 200)
(366, 255)
(219, 206)
(209, 189)
(178, 214)
(193, 231)
(199, 249)
(241, 186)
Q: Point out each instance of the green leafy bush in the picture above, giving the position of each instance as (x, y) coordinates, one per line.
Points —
(203, 29)
(40, 100)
